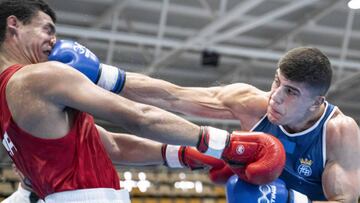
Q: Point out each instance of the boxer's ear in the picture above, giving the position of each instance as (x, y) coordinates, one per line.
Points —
(319, 100)
(12, 23)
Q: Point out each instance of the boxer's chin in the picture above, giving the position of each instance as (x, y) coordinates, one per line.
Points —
(274, 120)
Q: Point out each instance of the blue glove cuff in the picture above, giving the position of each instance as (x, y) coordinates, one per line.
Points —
(120, 82)
(111, 78)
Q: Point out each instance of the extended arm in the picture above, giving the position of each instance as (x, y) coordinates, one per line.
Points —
(235, 101)
(68, 88)
(128, 149)
(124, 149)
(188, 100)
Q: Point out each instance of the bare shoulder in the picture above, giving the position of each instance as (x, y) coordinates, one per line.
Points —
(29, 79)
(42, 76)
(43, 71)
(242, 88)
(343, 135)
(241, 92)
(246, 100)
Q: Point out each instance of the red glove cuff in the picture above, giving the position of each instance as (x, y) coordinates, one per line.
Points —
(212, 141)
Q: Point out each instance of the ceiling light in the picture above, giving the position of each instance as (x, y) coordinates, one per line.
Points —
(354, 4)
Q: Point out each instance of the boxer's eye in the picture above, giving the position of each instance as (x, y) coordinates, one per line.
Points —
(291, 92)
(49, 29)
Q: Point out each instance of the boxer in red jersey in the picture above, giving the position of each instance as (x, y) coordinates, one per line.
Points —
(46, 122)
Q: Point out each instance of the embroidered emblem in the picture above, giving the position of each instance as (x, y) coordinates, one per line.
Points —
(304, 169)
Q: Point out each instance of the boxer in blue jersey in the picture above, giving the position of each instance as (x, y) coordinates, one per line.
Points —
(322, 143)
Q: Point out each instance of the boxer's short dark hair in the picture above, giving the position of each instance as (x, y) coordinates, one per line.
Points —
(307, 65)
(24, 10)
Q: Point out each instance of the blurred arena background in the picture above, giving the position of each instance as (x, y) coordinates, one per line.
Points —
(204, 43)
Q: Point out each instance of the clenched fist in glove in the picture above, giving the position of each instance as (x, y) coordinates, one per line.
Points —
(256, 157)
(220, 176)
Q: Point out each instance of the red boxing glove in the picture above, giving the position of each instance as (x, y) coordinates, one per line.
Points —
(256, 157)
(220, 175)
(184, 156)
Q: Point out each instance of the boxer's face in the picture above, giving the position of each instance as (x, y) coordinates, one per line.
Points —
(290, 102)
(37, 37)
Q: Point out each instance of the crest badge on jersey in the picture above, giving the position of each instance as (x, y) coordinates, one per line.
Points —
(304, 169)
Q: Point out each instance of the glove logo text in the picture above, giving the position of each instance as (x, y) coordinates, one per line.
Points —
(265, 191)
(82, 50)
(240, 149)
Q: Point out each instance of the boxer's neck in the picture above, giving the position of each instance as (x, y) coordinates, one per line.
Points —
(309, 120)
(10, 55)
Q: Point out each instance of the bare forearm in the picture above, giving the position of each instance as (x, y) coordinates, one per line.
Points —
(136, 151)
(209, 102)
(142, 88)
(186, 100)
(162, 126)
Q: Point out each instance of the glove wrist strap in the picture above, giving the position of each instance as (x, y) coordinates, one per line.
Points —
(170, 155)
(111, 78)
(212, 141)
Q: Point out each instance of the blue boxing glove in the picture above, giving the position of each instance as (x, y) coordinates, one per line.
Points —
(238, 191)
(82, 59)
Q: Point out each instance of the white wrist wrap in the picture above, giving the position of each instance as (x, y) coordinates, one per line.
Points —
(108, 77)
(217, 142)
(297, 197)
(172, 156)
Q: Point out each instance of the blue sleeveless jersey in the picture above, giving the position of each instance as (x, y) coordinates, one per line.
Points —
(305, 154)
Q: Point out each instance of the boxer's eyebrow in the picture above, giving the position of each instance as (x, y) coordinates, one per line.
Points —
(294, 89)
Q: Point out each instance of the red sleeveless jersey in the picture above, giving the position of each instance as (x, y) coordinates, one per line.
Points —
(76, 161)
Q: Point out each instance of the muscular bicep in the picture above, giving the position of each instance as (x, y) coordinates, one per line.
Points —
(341, 177)
(340, 184)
